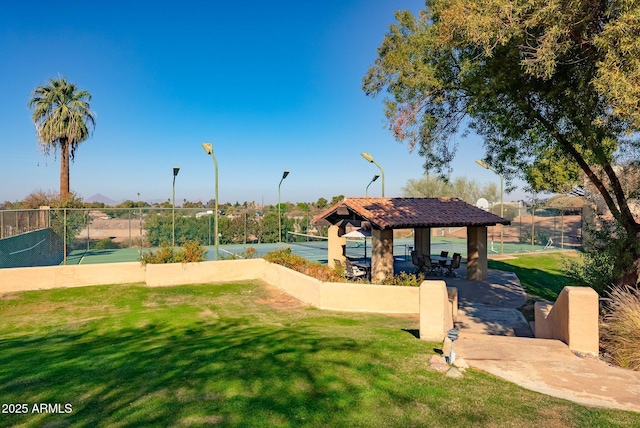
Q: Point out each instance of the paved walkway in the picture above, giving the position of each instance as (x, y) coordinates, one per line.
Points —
(496, 338)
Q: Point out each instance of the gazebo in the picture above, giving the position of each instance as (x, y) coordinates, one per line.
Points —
(420, 214)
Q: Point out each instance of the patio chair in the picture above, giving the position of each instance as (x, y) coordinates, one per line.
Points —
(338, 263)
(418, 261)
(432, 268)
(455, 264)
(443, 263)
(353, 271)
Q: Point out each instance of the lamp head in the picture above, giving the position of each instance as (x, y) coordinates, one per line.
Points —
(375, 177)
(176, 169)
(285, 173)
(208, 147)
(367, 156)
(482, 164)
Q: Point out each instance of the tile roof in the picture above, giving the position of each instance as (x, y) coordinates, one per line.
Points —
(401, 213)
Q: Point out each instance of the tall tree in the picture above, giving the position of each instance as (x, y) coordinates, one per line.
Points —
(63, 120)
(537, 80)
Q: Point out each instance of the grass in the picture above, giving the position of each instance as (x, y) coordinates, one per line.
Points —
(241, 355)
(541, 275)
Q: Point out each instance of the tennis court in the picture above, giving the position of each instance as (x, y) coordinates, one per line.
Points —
(314, 249)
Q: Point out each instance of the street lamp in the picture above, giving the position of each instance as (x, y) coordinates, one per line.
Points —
(208, 147)
(176, 169)
(284, 175)
(375, 177)
(370, 158)
(486, 166)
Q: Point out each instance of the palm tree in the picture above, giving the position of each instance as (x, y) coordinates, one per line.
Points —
(63, 120)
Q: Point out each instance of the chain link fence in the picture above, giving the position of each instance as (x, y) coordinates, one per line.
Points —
(67, 235)
(72, 233)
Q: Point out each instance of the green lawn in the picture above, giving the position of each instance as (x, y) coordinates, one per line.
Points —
(541, 274)
(227, 355)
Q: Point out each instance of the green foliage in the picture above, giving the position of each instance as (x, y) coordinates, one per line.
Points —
(404, 279)
(322, 203)
(605, 255)
(468, 190)
(336, 199)
(551, 90)
(104, 244)
(63, 120)
(190, 252)
(621, 327)
(292, 261)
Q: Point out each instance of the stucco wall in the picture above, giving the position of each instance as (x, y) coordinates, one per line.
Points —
(163, 275)
(573, 319)
(45, 277)
(334, 296)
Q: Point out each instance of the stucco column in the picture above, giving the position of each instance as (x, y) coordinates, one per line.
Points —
(381, 253)
(336, 245)
(477, 253)
(422, 240)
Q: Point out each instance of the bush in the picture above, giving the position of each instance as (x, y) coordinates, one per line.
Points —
(191, 251)
(105, 244)
(404, 279)
(292, 261)
(621, 327)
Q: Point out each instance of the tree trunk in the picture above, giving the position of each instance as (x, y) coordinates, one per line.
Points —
(64, 170)
(631, 268)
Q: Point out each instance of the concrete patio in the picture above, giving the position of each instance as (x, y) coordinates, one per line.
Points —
(496, 338)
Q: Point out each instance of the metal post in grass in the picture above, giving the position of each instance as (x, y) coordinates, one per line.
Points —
(284, 175)
(208, 147)
(486, 166)
(370, 159)
(176, 169)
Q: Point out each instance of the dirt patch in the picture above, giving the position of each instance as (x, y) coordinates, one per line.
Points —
(278, 299)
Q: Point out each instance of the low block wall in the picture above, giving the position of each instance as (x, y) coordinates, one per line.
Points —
(171, 274)
(436, 310)
(573, 319)
(333, 296)
(46, 277)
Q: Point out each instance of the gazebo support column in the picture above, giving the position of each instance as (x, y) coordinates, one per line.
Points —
(336, 245)
(422, 240)
(477, 253)
(381, 254)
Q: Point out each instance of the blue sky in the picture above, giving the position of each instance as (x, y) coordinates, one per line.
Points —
(272, 85)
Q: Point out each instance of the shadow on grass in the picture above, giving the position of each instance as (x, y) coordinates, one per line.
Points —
(536, 282)
(224, 373)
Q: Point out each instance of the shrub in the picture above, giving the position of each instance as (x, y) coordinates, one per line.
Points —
(191, 251)
(404, 279)
(621, 327)
(292, 261)
(105, 244)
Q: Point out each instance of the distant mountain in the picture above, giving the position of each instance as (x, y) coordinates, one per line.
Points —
(101, 198)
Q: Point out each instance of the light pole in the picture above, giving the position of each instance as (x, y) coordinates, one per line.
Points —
(176, 169)
(370, 158)
(140, 211)
(486, 166)
(208, 147)
(284, 175)
(375, 177)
